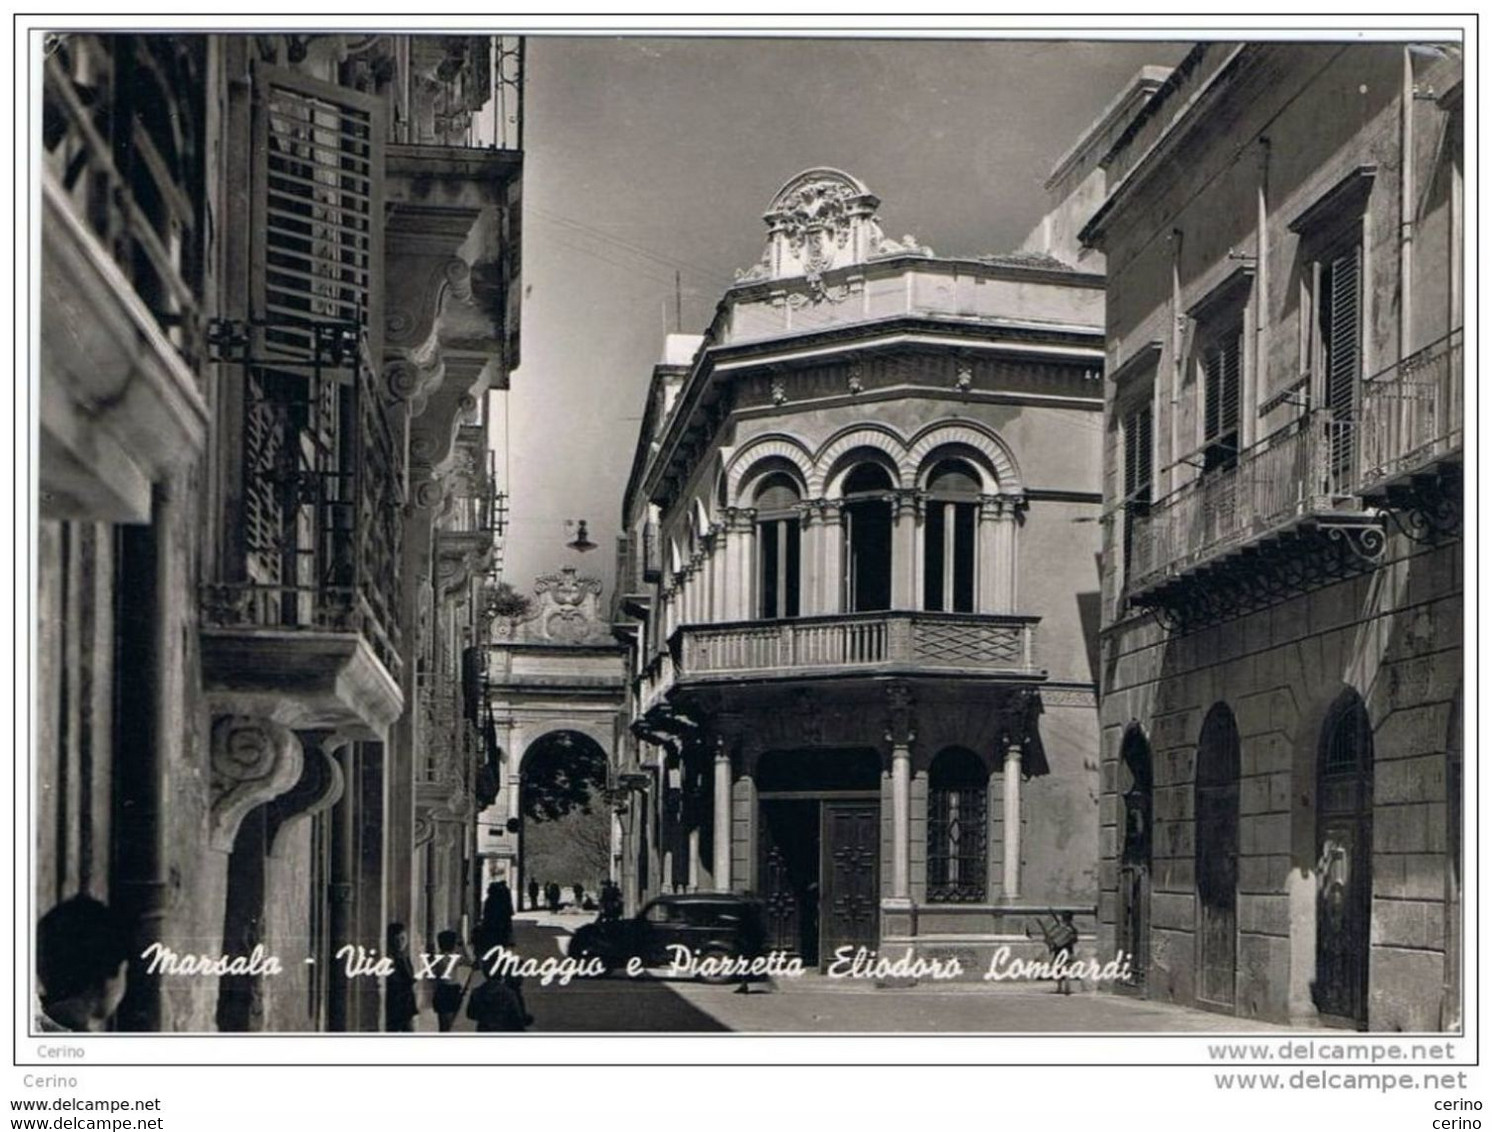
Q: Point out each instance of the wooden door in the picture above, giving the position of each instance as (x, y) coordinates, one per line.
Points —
(850, 903)
(790, 877)
(1344, 847)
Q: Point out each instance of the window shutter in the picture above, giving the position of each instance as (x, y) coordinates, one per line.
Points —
(1222, 366)
(317, 239)
(1343, 333)
(1232, 365)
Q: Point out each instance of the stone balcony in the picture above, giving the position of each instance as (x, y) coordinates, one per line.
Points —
(859, 644)
(1284, 518)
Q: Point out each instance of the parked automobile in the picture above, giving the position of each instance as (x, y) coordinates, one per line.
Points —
(712, 926)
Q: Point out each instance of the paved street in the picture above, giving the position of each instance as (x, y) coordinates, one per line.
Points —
(816, 1004)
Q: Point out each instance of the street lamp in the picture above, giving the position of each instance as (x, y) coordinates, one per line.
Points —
(581, 541)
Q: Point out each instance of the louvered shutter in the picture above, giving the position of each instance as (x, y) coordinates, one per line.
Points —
(1232, 365)
(1222, 366)
(1343, 332)
(317, 209)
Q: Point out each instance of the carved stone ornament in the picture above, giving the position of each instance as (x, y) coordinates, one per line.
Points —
(901, 720)
(319, 788)
(253, 761)
(821, 220)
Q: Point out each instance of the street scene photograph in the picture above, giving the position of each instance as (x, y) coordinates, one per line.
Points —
(854, 534)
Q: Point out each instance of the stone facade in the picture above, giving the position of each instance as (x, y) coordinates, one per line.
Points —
(267, 334)
(1283, 620)
(859, 589)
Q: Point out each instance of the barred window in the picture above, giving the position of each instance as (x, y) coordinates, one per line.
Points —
(957, 820)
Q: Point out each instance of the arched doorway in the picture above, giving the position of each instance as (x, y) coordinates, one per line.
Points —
(1217, 859)
(1344, 855)
(1136, 781)
(566, 831)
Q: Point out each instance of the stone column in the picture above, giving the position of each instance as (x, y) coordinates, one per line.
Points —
(900, 733)
(722, 816)
(831, 564)
(989, 564)
(1012, 879)
(905, 568)
(741, 521)
(721, 547)
(692, 884)
(810, 555)
(1004, 583)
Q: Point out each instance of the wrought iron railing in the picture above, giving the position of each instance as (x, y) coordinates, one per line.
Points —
(993, 643)
(473, 506)
(1411, 413)
(316, 541)
(122, 132)
(460, 90)
(1306, 467)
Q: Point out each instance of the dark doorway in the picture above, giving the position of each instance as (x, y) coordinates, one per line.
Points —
(790, 876)
(1344, 848)
(1217, 859)
(820, 850)
(867, 517)
(1133, 928)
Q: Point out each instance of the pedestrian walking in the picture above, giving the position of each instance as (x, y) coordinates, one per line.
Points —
(552, 894)
(579, 890)
(496, 929)
(450, 985)
(497, 1006)
(533, 895)
(611, 901)
(1061, 941)
(399, 1005)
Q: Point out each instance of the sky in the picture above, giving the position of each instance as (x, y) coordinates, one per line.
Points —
(650, 156)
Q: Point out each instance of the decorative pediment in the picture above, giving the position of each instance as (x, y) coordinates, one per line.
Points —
(820, 221)
(568, 612)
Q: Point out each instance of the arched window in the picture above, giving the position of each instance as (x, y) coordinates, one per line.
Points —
(867, 519)
(957, 821)
(1217, 856)
(948, 537)
(778, 546)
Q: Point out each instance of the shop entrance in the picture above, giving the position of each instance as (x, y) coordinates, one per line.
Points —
(820, 851)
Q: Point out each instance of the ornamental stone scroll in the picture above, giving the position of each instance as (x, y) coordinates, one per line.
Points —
(253, 761)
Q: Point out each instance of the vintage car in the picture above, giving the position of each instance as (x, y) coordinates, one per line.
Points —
(711, 928)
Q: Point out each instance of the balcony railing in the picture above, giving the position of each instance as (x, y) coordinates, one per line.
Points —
(473, 509)
(123, 132)
(318, 534)
(462, 91)
(1412, 412)
(1410, 416)
(891, 641)
(1305, 468)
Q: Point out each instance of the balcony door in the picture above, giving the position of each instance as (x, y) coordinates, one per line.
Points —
(948, 538)
(867, 521)
(778, 547)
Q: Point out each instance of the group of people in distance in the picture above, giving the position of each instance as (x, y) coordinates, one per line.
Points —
(495, 1003)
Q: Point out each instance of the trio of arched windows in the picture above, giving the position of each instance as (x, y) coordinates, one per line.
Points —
(949, 540)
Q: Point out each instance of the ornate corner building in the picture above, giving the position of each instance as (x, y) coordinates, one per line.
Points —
(279, 275)
(859, 587)
(1282, 605)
